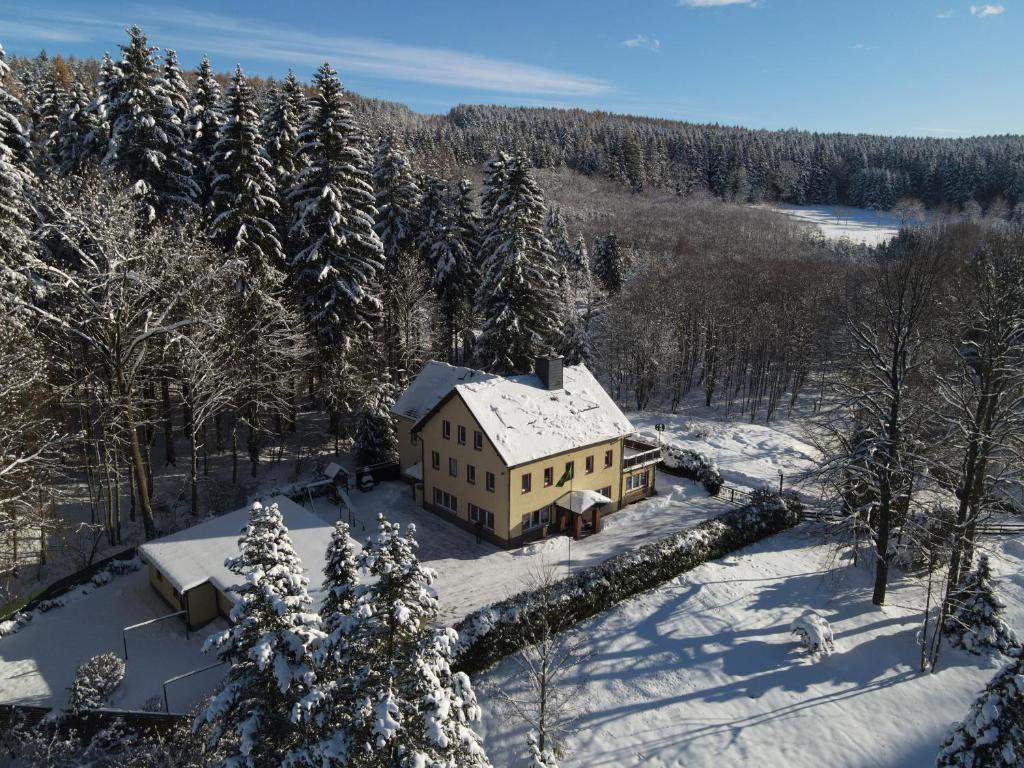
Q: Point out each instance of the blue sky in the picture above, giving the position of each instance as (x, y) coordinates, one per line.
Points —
(919, 67)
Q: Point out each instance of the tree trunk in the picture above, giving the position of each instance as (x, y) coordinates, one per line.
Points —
(170, 457)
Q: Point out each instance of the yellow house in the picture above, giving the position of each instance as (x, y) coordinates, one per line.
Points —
(520, 457)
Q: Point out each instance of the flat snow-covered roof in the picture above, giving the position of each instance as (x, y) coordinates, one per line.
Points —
(526, 422)
(196, 555)
(434, 381)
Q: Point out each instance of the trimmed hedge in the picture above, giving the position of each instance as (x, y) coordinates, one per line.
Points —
(499, 630)
(693, 465)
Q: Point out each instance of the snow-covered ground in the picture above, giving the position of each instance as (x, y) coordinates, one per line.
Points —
(858, 225)
(703, 671)
(37, 663)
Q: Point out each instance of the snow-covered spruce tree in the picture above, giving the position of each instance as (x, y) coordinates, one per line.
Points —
(397, 199)
(397, 202)
(77, 126)
(147, 142)
(407, 707)
(992, 734)
(558, 236)
(326, 711)
(376, 434)
(335, 269)
(95, 682)
(205, 117)
(96, 140)
(282, 120)
(244, 197)
(975, 621)
(608, 262)
(269, 648)
(175, 86)
(518, 293)
(15, 180)
(53, 105)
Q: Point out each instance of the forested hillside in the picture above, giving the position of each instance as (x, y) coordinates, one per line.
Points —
(734, 163)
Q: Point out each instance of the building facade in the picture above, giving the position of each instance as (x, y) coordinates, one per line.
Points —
(519, 458)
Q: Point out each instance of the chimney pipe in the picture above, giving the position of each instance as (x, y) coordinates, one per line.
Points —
(549, 371)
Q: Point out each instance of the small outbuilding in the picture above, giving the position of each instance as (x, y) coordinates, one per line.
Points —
(187, 568)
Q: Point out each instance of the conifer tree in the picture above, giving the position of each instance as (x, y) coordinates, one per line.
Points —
(992, 734)
(269, 648)
(976, 622)
(338, 253)
(397, 202)
(376, 434)
(326, 710)
(53, 105)
(15, 180)
(77, 126)
(205, 118)
(176, 87)
(147, 141)
(281, 123)
(608, 262)
(518, 293)
(96, 142)
(408, 708)
(244, 197)
(451, 259)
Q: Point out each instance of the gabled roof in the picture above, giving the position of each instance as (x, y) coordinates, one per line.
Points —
(525, 422)
(196, 555)
(434, 381)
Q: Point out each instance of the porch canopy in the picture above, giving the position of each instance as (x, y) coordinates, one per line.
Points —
(579, 502)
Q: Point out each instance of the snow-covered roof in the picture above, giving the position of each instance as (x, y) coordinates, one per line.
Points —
(433, 382)
(581, 501)
(415, 471)
(196, 555)
(525, 422)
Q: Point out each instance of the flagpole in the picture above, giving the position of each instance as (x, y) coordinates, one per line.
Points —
(572, 520)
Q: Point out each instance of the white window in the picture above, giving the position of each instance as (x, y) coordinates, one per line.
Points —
(446, 429)
(482, 516)
(537, 518)
(453, 467)
(446, 500)
(633, 482)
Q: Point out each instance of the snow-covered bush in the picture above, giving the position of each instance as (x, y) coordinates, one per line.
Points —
(975, 622)
(95, 682)
(691, 464)
(500, 629)
(992, 734)
(13, 624)
(814, 633)
(540, 758)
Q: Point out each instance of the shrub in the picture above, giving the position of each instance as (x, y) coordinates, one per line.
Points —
(691, 464)
(500, 629)
(814, 633)
(95, 682)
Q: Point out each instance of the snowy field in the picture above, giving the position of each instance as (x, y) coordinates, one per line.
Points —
(704, 672)
(858, 225)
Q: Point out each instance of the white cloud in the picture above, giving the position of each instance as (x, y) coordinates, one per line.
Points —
(945, 15)
(643, 41)
(987, 10)
(714, 3)
(859, 46)
(225, 36)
